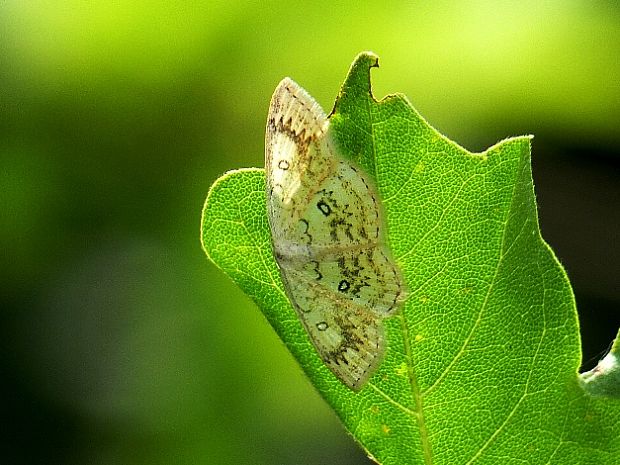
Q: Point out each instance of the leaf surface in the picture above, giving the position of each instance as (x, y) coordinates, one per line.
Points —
(482, 360)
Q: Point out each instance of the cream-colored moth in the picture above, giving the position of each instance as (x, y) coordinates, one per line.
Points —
(327, 237)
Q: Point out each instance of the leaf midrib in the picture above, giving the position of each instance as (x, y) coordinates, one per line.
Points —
(418, 411)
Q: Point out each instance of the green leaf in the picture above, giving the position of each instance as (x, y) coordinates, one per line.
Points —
(482, 361)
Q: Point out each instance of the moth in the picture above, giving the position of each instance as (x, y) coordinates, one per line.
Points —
(327, 234)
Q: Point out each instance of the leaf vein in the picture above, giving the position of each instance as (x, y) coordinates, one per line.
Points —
(481, 312)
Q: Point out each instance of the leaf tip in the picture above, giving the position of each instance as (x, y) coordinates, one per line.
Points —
(358, 77)
(367, 58)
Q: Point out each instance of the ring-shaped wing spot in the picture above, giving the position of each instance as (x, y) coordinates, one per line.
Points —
(346, 335)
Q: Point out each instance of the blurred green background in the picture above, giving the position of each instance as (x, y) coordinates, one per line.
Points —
(121, 343)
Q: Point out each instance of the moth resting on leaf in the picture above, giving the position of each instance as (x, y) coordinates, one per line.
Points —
(328, 239)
